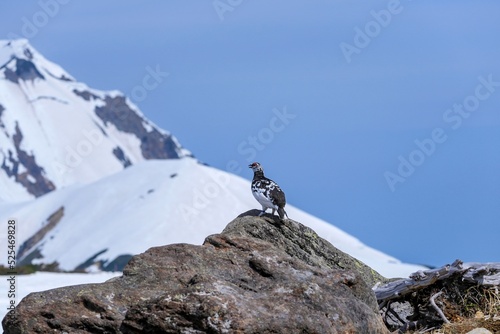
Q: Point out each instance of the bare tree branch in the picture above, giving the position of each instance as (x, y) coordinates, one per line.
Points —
(438, 310)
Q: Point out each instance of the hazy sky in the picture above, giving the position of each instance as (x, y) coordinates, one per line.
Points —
(381, 117)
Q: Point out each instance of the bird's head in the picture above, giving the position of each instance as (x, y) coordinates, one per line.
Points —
(256, 167)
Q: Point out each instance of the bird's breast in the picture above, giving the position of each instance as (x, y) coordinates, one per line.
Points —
(263, 198)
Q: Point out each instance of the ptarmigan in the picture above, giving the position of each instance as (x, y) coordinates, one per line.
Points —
(267, 192)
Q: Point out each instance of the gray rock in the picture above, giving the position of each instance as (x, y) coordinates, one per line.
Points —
(299, 241)
(259, 275)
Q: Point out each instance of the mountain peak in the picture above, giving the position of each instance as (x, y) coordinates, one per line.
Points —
(17, 48)
(20, 61)
(55, 131)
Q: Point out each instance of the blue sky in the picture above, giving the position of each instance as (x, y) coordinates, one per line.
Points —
(381, 117)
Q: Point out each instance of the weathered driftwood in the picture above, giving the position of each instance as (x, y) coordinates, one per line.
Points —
(415, 298)
(487, 274)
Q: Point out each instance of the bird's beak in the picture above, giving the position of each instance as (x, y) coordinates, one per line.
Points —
(250, 166)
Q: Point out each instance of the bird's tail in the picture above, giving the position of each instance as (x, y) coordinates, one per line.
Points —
(282, 213)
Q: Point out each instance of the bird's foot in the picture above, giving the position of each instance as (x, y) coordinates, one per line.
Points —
(262, 213)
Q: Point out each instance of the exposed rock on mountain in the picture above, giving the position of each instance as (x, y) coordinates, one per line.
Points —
(259, 275)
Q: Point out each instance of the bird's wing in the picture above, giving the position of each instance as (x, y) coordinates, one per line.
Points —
(276, 195)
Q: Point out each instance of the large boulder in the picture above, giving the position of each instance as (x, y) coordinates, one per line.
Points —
(260, 275)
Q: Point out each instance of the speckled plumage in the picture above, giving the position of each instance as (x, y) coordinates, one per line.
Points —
(267, 192)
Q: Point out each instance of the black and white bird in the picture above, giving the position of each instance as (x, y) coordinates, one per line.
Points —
(267, 192)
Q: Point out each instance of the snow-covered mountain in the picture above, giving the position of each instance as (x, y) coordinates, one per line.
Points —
(90, 181)
(55, 131)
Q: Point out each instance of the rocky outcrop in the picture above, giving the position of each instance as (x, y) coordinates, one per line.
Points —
(27, 251)
(24, 70)
(2, 109)
(154, 143)
(260, 275)
(33, 178)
